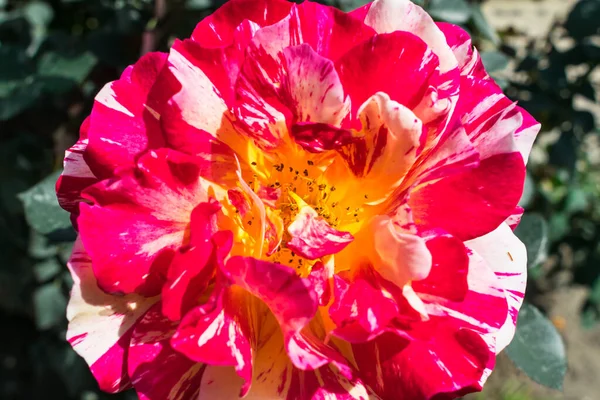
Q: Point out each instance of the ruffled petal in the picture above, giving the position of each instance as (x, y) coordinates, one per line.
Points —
(100, 325)
(192, 267)
(469, 61)
(145, 213)
(482, 308)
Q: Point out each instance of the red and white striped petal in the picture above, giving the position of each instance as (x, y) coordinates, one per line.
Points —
(478, 200)
(157, 371)
(469, 61)
(482, 307)
(381, 64)
(525, 135)
(313, 237)
(100, 324)
(124, 121)
(278, 88)
(389, 129)
(386, 16)
(219, 333)
(218, 29)
(145, 213)
(507, 257)
(450, 364)
(75, 178)
(275, 377)
(192, 98)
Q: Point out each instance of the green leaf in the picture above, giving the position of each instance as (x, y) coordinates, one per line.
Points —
(198, 4)
(40, 247)
(41, 207)
(537, 348)
(349, 5)
(533, 232)
(494, 61)
(482, 25)
(75, 68)
(15, 64)
(38, 13)
(454, 11)
(595, 292)
(583, 19)
(559, 226)
(49, 303)
(20, 98)
(576, 201)
(46, 269)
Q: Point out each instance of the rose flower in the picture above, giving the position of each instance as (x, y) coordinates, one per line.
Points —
(299, 203)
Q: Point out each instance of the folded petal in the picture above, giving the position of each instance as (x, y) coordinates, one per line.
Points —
(293, 304)
(315, 91)
(288, 296)
(276, 377)
(221, 64)
(385, 148)
(76, 176)
(402, 256)
(101, 325)
(313, 237)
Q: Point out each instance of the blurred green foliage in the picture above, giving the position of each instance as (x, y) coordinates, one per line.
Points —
(56, 54)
